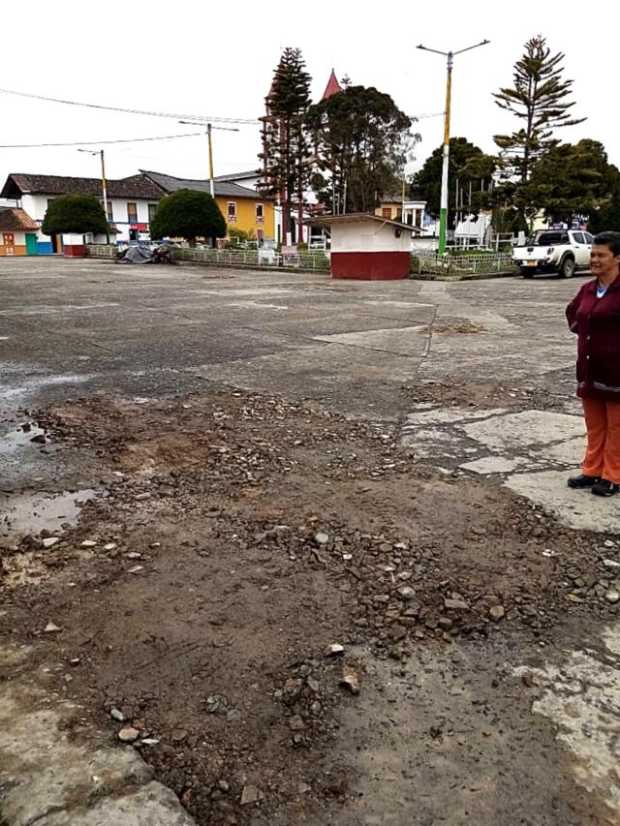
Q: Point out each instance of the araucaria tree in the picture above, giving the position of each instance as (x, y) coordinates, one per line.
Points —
(75, 213)
(541, 99)
(286, 154)
(188, 214)
(362, 143)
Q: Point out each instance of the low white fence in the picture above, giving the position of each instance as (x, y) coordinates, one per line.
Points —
(101, 250)
(484, 263)
(255, 259)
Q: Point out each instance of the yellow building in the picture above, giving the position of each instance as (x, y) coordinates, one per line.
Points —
(242, 208)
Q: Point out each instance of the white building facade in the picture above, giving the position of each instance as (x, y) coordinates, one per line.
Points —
(131, 201)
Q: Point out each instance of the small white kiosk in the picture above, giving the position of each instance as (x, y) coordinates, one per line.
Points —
(368, 247)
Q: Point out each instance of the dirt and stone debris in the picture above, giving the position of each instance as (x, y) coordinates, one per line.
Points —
(265, 531)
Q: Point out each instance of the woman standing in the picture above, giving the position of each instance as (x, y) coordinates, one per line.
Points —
(594, 315)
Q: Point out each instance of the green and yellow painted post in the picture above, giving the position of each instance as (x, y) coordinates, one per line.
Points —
(443, 212)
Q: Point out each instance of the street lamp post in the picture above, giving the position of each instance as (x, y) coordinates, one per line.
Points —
(104, 185)
(209, 130)
(443, 213)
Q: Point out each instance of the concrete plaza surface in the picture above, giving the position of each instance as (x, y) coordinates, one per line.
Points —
(474, 380)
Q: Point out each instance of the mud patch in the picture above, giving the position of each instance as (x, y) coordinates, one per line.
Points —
(462, 326)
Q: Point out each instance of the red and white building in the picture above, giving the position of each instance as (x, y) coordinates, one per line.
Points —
(369, 248)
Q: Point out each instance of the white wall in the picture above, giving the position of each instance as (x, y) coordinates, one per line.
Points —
(368, 236)
(36, 207)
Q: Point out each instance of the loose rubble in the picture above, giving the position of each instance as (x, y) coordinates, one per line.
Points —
(246, 550)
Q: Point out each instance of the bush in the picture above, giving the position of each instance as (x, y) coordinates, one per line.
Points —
(188, 214)
(240, 238)
(75, 213)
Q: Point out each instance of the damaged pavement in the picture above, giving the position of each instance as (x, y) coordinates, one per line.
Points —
(282, 550)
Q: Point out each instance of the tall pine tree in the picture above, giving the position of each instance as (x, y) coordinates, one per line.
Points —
(286, 150)
(540, 99)
(362, 143)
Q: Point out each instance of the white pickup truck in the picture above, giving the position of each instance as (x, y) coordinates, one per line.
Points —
(562, 251)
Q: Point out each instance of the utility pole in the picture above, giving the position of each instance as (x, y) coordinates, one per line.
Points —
(210, 142)
(104, 185)
(208, 133)
(443, 213)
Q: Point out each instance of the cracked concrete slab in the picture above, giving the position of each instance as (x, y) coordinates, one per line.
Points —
(404, 341)
(56, 773)
(575, 509)
(532, 450)
(526, 430)
(489, 465)
(581, 696)
(151, 805)
(567, 453)
(450, 415)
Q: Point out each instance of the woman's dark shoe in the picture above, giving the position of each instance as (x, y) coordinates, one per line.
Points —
(605, 488)
(583, 481)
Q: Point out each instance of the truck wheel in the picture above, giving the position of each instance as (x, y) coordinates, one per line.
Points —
(568, 267)
(526, 272)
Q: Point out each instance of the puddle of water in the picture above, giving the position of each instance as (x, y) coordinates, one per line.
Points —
(23, 437)
(32, 385)
(28, 514)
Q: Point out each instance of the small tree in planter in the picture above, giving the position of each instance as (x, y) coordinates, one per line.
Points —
(75, 213)
(188, 214)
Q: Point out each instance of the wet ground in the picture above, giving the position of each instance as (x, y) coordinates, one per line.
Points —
(207, 478)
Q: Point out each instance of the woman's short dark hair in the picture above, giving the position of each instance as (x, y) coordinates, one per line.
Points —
(611, 240)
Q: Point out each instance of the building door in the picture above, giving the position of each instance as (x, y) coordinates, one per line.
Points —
(31, 244)
(8, 241)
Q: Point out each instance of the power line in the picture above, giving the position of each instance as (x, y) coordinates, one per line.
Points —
(205, 118)
(98, 143)
(428, 115)
(176, 116)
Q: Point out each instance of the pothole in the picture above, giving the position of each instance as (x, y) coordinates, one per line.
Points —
(26, 514)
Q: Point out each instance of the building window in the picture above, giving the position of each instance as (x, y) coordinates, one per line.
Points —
(132, 213)
(260, 214)
(152, 211)
(232, 212)
(386, 212)
(110, 213)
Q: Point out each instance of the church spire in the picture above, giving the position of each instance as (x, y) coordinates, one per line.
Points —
(333, 86)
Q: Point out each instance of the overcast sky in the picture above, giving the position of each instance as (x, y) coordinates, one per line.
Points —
(217, 59)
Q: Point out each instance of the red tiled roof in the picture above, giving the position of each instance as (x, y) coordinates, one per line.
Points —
(134, 186)
(13, 219)
(333, 86)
